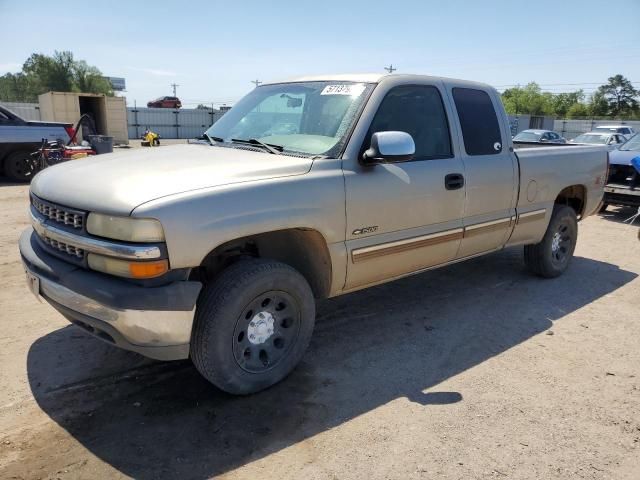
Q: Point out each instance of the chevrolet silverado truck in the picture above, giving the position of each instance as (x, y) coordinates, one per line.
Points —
(306, 189)
(19, 138)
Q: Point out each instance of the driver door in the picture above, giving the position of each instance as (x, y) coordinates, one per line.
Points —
(405, 217)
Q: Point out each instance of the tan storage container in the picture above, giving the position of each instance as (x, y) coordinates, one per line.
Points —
(116, 117)
(109, 113)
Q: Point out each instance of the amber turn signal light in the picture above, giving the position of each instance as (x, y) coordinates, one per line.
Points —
(148, 269)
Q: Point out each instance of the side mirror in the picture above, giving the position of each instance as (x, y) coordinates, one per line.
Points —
(389, 147)
(544, 140)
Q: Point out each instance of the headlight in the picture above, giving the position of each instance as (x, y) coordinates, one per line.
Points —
(127, 269)
(129, 229)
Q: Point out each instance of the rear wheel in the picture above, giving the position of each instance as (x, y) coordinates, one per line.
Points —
(252, 326)
(20, 166)
(551, 257)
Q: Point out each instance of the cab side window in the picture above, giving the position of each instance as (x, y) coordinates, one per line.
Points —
(419, 111)
(478, 120)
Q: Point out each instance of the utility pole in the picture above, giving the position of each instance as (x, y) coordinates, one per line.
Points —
(256, 82)
(174, 86)
(390, 68)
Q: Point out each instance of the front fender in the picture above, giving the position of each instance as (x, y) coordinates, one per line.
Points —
(197, 222)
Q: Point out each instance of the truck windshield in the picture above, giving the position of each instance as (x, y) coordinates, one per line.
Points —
(312, 118)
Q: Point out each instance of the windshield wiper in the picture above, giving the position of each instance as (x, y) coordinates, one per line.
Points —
(271, 148)
(210, 139)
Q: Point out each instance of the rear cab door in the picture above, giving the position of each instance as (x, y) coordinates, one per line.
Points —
(490, 167)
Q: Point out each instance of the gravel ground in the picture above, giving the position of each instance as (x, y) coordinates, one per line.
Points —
(475, 371)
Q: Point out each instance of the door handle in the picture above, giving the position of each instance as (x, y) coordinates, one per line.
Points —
(453, 181)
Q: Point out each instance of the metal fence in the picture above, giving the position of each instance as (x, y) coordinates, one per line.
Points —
(191, 122)
(572, 128)
(28, 111)
(171, 123)
(518, 123)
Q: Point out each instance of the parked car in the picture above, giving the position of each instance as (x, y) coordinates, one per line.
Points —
(610, 140)
(220, 257)
(165, 102)
(19, 138)
(623, 184)
(625, 130)
(539, 136)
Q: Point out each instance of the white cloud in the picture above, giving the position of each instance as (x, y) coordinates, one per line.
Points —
(155, 71)
(10, 67)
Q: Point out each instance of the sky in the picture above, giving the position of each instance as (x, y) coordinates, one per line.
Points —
(213, 50)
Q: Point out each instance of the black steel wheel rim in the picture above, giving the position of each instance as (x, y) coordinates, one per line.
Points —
(561, 244)
(266, 331)
(22, 168)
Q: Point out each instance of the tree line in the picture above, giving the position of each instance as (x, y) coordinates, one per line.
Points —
(615, 99)
(59, 72)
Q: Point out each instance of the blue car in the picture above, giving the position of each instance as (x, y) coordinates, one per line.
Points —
(623, 184)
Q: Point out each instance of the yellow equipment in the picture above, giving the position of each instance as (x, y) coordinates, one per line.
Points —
(150, 139)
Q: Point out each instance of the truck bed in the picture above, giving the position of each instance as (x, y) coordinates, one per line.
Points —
(518, 145)
(546, 171)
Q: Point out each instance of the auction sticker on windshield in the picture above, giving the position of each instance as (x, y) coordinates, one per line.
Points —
(353, 89)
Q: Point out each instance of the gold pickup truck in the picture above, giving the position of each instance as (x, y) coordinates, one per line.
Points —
(306, 189)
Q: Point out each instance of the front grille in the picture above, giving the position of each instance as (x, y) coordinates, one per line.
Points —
(59, 214)
(63, 247)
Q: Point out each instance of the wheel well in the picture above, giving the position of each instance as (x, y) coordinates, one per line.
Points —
(303, 249)
(574, 197)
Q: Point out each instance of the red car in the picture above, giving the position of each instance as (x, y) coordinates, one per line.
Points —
(165, 102)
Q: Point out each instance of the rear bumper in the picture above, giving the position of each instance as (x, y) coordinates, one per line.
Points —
(621, 195)
(153, 321)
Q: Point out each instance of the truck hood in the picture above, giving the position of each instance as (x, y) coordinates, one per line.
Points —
(116, 183)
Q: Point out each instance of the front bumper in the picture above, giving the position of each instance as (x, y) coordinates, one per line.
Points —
(621, 195)
(153, 321)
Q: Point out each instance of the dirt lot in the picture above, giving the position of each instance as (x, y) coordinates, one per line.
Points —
(473, 371)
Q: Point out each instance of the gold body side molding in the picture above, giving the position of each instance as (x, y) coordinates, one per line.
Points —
(375, 251)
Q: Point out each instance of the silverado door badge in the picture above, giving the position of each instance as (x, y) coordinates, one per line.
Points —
(364, 230)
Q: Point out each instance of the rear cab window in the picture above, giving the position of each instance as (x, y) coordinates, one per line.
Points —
(478, 121)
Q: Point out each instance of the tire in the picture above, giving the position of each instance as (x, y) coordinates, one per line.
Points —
(551, 257)
(252, 326)
(19, 166)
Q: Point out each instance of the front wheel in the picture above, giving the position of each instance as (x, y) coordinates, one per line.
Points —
(551, 257)
(252, 326)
